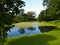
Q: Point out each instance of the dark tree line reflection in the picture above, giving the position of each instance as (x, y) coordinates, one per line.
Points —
(41, 28)
(46, 28)
(22, 30)
(30, 30)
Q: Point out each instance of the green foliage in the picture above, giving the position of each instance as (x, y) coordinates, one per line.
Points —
(30, 16)
(47, 38)
(8, 10)
(43, 16)
(52, 11)
(53, 7)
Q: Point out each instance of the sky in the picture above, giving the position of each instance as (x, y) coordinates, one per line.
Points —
(33, 5)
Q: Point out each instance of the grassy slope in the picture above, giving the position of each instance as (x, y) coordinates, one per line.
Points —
(47, 38)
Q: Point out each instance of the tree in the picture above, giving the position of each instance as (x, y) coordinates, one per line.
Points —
(54, 8)
(40, 17)
(19, 17)
(31, 15)
(8, 10)
(43, 16)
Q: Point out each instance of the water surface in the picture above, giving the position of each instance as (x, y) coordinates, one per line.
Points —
(23, 31)
(28, 29)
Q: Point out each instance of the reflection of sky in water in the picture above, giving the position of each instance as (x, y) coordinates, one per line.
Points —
(16, 31)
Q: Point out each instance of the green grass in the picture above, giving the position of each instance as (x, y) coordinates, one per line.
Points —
(26, 24)
(47, 38)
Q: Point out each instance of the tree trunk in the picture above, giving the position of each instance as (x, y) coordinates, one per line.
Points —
(2, 37)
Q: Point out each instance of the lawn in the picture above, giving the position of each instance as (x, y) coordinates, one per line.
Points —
(46, 38)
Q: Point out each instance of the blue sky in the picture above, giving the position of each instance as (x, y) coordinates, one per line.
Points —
(33, 5)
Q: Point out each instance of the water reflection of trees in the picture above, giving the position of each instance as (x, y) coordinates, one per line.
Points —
(22, 30)
(46, 28)
(31, 28)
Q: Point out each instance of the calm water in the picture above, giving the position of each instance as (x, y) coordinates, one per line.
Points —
(23, 31)
(34, 29)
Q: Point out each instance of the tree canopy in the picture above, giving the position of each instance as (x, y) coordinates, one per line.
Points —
(52, 11)
(8, 10)
(53, 7)
(29, 16)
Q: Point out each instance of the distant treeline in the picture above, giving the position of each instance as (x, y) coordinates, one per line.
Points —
(23, 17)
(52, 11)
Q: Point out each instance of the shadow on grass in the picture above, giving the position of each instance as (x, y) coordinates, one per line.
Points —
(47, 28)
(58, 28)
(40, 39)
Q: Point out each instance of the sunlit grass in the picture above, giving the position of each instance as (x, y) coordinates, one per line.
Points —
(47, 38)
(31, 24)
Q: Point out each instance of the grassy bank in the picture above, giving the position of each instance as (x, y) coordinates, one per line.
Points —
(47, 38)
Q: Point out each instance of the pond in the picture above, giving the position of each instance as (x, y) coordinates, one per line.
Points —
(23, 31)
(35, 29)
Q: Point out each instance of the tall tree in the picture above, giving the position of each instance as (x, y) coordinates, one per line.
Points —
(8, 9)
(31, 15)
(53, 6)
(43, 15)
